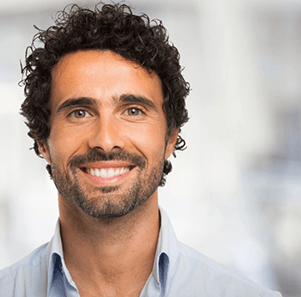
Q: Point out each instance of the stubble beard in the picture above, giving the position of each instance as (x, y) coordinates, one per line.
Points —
(107, 201)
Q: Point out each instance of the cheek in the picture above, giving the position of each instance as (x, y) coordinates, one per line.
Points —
(150, 142)
(62, 145)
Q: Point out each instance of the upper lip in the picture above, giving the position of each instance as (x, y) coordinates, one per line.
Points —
(109, 164)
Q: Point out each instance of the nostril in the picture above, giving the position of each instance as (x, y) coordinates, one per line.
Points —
(106, 137)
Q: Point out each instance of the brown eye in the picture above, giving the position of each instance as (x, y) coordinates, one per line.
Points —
(79, 114)
(133, 112)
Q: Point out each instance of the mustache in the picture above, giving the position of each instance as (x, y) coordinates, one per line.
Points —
(95, 155)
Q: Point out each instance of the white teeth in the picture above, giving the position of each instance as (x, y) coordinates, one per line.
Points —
(103, 173)
(110, 172)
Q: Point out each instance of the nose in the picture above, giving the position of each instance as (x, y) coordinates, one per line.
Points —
(106, 134)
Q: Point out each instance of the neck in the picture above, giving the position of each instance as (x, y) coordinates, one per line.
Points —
(110, 254)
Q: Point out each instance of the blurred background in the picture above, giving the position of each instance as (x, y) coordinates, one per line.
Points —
(234, 194)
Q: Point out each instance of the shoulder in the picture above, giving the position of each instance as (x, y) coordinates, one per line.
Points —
(205, 277)
(22, 276)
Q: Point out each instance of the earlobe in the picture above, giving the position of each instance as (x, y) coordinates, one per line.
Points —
(170, 146)
(44, 151)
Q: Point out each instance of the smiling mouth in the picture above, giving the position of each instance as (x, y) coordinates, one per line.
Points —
(107, 172)
(106, 176)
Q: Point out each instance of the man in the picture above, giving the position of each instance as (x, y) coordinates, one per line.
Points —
(105, 102)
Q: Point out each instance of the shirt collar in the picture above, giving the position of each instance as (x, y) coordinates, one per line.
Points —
(56, 262)
(167, 252)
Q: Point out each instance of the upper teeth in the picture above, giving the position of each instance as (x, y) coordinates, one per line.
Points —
(109, 172)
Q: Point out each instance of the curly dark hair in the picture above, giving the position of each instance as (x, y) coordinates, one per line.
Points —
(109, 27)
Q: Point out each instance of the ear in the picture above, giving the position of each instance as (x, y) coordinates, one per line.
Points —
(44, 150)
(171, 142)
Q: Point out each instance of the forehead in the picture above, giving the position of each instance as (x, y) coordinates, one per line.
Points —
(102, 75)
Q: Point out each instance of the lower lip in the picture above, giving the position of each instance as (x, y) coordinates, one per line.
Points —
(104, 181)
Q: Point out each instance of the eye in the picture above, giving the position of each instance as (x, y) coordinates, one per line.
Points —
(133, 111)
(79, 114)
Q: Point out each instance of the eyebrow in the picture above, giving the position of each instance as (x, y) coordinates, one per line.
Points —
(92, 102)
(76, 102)
(137, 99)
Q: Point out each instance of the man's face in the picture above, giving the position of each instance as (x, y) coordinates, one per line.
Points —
(108, 141)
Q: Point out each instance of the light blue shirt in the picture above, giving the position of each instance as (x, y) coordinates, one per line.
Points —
(178, 271)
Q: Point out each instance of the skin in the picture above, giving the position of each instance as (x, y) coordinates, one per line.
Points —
(107, 256)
